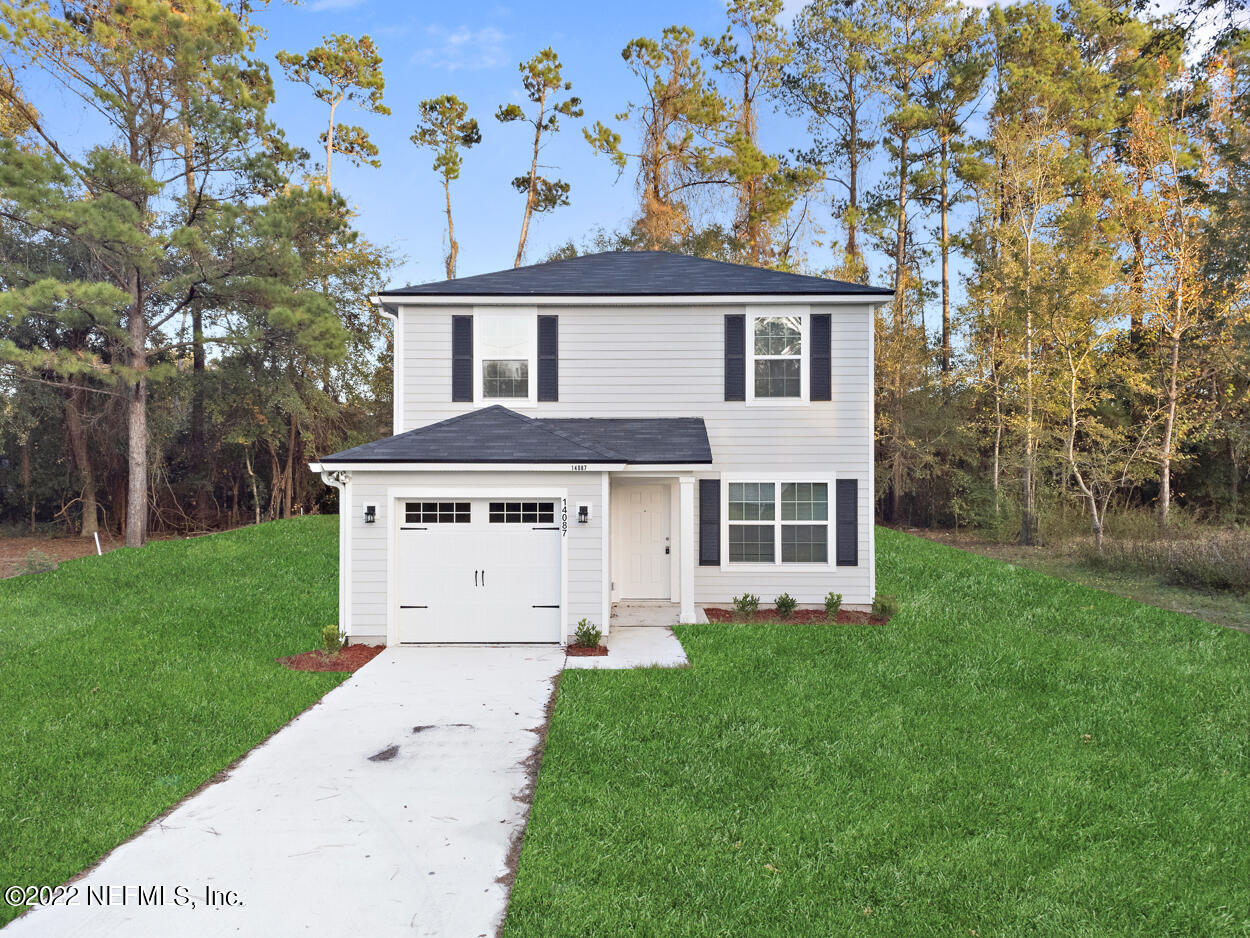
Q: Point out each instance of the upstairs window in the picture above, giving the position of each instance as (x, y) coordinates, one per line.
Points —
(506, 348)
(777, 357)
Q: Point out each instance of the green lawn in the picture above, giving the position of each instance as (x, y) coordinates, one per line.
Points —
(128, 680)
(1012, 755)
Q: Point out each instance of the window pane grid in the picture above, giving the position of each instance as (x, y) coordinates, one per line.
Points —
(778, 377)
(751, 543)
(802, 506)
(437, 513)
(804, 543)
(505, 378)
(751, 501)
(522, 513)
(805, 501)
(778, 335)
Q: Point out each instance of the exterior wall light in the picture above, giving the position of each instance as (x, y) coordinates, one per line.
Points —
(583, 514)
(371, 514)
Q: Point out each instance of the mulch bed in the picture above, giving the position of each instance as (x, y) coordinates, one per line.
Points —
(349, 658)
(798, 617)
(581, 651)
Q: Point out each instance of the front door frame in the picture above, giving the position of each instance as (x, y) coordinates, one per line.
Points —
(618, 528)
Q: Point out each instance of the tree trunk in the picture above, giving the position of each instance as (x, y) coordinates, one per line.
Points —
(852, 199)
(201, 471)
(946, 288)
(137, 420)
(1169, 424)
(900, 314)
(288, 475)
(247, 461)
(453, 249)
(75, 407)
(25, 474)
(531, 192)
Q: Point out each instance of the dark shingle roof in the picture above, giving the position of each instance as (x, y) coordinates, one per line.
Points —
(498, 435)
(638, 273)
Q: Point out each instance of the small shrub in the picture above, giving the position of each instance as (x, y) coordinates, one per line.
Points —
(884, 606)
(36, 562)
(586, 635)
(833, 603)
(332, 638)
(785, 605)
(746, 605)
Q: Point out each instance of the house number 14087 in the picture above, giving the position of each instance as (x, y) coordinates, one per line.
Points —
(564, 517)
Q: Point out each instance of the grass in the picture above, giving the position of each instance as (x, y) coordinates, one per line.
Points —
(1068, 561)
(1013, 755)
(128, 680)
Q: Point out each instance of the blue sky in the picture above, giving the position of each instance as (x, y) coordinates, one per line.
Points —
(472, 49)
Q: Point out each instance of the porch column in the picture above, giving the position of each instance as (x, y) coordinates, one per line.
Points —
(686, 507)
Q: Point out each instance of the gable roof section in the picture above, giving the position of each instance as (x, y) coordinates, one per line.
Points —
(638, 273)
(499, 435)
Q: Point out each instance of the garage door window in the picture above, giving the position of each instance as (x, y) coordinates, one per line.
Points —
(436, 513)
(522, 512)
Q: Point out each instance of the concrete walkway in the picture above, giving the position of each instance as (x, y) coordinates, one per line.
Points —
(386, 809)
(636, 646)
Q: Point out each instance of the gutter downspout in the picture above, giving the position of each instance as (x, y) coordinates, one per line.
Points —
(341, 480)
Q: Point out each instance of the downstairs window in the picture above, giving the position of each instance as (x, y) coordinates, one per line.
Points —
(778, 522)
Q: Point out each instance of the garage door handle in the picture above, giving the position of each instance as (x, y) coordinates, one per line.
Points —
(483, 577)
(414, 607)
(475, 578)
(556, 606)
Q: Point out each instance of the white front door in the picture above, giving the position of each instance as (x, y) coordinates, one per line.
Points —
(479, 570)
(642, 562)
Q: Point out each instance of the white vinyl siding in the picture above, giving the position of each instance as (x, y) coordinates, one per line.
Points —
(668, 361)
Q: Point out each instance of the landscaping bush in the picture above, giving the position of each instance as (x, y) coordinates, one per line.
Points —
(785, 605)
(332, 638)
(586, 635)
(36, 562)
(884, 606)
(833, 603)
(746, 605)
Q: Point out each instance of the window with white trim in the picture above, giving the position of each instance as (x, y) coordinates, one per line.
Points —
(506, 345)
(777, 356)
(778, 522)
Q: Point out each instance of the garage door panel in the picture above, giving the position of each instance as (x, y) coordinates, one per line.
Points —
(481, 581)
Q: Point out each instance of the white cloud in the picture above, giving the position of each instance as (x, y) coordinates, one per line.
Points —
(462, 48)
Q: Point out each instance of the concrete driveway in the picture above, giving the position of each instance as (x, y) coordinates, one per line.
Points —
(386, 809)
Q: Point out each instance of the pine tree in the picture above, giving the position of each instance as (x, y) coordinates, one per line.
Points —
(446, 128)
(342, 69)
(542, 78)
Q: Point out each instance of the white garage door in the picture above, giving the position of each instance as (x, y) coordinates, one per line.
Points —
(479, 570)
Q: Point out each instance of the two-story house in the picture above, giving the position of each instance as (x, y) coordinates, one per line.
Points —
(633, 426)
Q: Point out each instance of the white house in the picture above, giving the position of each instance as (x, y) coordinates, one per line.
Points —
(618, 426)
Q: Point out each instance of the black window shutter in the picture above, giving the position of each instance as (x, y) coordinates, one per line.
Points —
(735, 358)
(548, 358)
(846, 510)
(820, 358)
(709, 522)
(462, 358)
